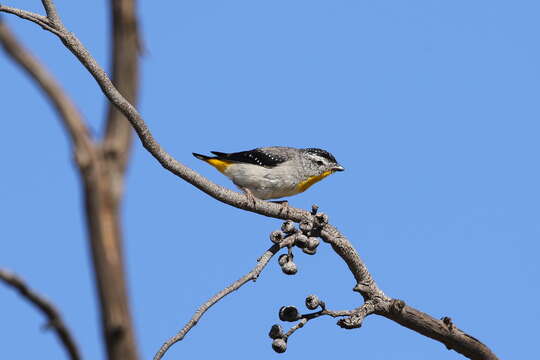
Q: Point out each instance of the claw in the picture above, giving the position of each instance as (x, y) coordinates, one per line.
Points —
(250, 198)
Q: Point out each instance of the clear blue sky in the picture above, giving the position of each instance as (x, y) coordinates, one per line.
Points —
(431, 106)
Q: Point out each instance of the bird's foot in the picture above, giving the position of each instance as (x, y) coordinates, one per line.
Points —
(250, 198)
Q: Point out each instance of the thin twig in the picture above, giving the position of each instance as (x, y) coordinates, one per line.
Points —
(30, 16)
(307, 317)
(47, 308)
(252, 275)
(365, 284)
(27, 15)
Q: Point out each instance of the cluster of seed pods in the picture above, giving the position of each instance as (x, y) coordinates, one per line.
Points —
(290, 314)
(306, 238)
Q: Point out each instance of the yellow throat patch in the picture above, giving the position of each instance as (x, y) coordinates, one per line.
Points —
(304, 185)
(221, 165)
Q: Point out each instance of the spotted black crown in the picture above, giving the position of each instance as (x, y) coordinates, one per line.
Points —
(322, 153)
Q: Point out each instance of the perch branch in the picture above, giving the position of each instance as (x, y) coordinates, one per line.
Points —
(47, 308)
(365, 284)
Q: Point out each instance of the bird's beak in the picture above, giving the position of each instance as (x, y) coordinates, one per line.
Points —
(338, 168)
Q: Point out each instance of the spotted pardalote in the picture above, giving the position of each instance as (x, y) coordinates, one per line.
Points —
(274, 172)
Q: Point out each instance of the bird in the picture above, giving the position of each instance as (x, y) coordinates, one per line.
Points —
(274, 172)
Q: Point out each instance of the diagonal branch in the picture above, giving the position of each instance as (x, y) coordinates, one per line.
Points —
(250, 276)
(149, 142)
(442, 331)
(48, 309)
(365, 283)
(68, 113)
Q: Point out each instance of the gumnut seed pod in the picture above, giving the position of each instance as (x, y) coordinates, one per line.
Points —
(313, 242)
(312, 302)
(276, 332)
(301, 241)
(289, 268)
(288, 227)
(288, 313)
(306, 226)
(322, 219)
(283, 259)
(276, 236)
(279, 345)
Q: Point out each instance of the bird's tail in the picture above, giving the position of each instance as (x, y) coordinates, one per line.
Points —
(201, 157)
(219, 164)
(219, 154)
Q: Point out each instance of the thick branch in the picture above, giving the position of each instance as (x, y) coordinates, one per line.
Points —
(105, 237)
(447, 333)
(67, 112)
(250, 276)
(365, 284)
(103, 186)
(49, 310)
(125, 70)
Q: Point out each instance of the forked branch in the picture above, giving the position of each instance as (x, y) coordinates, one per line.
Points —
(404, 315)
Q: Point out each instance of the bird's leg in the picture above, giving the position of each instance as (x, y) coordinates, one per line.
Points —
(250, 198)
(284, 206)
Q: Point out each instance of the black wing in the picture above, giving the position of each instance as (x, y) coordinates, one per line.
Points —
(256, 156)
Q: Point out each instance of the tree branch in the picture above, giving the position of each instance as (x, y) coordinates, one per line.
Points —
(163, 157)
(125, 69)
(69, 115)
(250, 276)
(30, 16)
(442, 331)
(48, 309)
(365, 283)
(103, 180)
(52, 14)
(27, 15)
(103, 187)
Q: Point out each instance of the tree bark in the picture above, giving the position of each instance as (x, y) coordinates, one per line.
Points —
(105, 237)
(103, 190)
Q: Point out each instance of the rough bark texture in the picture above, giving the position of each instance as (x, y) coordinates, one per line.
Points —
(102, 214)
(103, 185)
(125, 69)
(101, 165)
(103, 189)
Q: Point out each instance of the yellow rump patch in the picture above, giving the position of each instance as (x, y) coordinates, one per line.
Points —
(304, 185)
(221, 165)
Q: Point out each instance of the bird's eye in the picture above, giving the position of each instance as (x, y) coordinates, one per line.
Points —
(320, 163)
